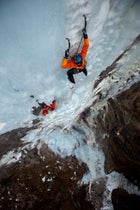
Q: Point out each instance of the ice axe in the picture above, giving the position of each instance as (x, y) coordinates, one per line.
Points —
(68, 50)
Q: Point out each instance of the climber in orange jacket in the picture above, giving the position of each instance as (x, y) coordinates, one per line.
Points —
(77, 63)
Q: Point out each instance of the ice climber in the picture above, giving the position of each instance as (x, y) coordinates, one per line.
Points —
(77, 63)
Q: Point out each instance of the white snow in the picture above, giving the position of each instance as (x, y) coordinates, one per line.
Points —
(32, 41)
(11, 157)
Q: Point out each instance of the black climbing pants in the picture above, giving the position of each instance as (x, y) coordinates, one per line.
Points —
(73, 71)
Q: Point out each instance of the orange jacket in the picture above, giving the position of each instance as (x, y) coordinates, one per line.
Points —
(71, 64)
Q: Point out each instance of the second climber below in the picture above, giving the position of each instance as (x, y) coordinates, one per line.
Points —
(77, 63)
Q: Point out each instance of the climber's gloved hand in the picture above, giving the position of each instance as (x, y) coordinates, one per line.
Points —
(67, 54)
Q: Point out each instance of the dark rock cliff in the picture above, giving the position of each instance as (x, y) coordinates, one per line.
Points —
(117, 128)
(121, 125)
(120, 122)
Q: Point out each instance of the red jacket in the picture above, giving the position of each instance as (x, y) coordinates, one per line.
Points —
(52, 106)
(47, 108)
(71, 64)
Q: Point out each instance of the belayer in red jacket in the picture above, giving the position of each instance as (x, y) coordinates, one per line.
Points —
(44, 108)
(50, 107)
(77, 63)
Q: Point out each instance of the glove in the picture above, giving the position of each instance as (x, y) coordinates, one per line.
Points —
(85, 33)
(67, 54)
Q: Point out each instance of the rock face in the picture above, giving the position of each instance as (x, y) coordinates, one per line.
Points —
(120, 123)
(43, 181)
(123, 200)
(117, 128)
